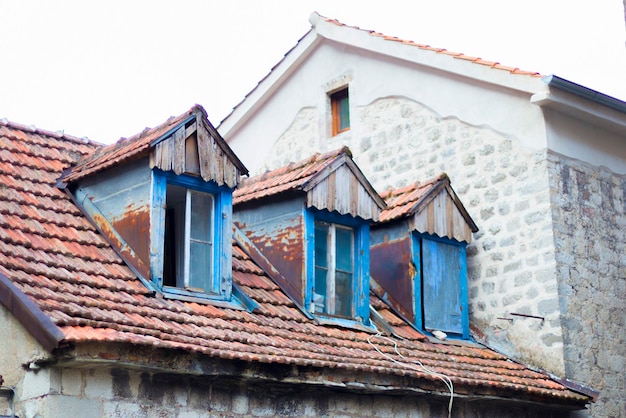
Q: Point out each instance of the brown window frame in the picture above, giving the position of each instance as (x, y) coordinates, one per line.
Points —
(335, 102)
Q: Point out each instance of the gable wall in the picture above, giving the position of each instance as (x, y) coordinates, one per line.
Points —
(412, 123)
(409, 125)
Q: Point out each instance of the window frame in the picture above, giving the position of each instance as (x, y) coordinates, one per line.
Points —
(361, 274)
(336, 97)
(220, 282)
(418, 283)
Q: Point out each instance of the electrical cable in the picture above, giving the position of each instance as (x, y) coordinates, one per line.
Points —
(409, 363)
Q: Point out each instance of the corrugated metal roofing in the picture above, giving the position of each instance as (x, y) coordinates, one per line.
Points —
(51, 253)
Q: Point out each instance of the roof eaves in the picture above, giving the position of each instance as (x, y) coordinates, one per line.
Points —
(582, 103)
(29, 315)
(444, 60)
(269, 84)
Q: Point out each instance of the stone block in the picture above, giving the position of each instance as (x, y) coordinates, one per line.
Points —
(71, 382)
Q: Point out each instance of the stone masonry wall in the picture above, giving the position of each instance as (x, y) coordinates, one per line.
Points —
(504, 186)
(590, 235)
(103, 392)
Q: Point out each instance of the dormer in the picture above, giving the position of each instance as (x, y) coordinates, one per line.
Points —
(418, 257)
(311, 220)
(163, 199)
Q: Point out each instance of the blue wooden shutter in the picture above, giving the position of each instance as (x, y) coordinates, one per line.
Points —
(441, 286)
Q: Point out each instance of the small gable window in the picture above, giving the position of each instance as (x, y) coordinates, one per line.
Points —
(334, 269)
(340, 109)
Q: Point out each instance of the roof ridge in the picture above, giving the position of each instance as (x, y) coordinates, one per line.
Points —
(476, 60)
(60, 134)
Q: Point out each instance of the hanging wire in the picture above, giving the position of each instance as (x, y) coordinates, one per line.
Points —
(412, 364)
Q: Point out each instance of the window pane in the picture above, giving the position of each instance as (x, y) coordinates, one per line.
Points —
(319, 296)
(344, 113)
(201, 216)
(321, 267)
(343, 294)
(321, 244)
(201, 241)
(343, 250)
(200, 266)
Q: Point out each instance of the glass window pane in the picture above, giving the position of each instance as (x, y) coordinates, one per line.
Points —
(343, 294)
(344, 113)
(319, 295)
(321, 244)
(343, 250)
(200, 241)
(201, 216)
(200, 266)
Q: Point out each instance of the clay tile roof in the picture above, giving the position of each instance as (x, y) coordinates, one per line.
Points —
(458, 55)
(55, 262)
(291, 177)
(126, 148)
(404, 201)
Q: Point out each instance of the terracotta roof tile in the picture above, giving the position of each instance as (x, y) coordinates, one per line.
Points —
(442, 51)
(56, 258)
(403, 201)
(287, 178)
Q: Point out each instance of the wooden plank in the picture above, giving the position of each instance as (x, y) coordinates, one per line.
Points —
(192, 159)
(203, 152)
(178, 148)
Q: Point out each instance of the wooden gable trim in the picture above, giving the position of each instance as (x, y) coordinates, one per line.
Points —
(334, 176)
(441, 212)
(197, 149)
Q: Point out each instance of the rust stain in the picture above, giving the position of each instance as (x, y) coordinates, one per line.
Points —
(390, 265)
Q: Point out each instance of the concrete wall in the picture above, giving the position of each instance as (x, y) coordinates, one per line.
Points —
(589, 218)
(103, 392)
(17, 350)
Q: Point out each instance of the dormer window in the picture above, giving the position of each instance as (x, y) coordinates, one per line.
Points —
(193, 234)
(418, 256)
(340, 110)
(163, 199)
(311, 221)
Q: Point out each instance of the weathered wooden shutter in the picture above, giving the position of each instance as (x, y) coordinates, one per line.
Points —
(441, 272)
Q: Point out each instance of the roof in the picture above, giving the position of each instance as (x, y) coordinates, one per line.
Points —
(315, 17)
(409, 200)
(323, 28)
(302, 176)
(57, 266)
(128, 148)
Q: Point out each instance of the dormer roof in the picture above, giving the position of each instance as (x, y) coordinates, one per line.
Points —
(166, 144)
(331, 181)
(432, 207)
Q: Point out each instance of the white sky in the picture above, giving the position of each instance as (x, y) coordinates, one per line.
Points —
(107, 69)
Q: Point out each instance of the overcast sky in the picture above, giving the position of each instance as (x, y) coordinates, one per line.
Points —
(107, 69)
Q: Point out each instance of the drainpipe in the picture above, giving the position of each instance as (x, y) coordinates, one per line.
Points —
(9, 392)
